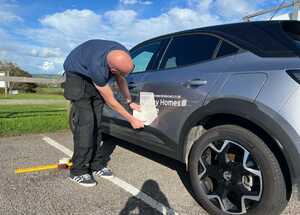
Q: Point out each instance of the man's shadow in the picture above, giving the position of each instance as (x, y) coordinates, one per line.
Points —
(151, 187)
(136, 205)
(179, 167)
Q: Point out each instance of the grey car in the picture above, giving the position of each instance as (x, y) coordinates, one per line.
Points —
(228, 100)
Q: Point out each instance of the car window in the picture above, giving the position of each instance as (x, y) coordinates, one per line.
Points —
(142, 56)
(227, 49)
(189, 49)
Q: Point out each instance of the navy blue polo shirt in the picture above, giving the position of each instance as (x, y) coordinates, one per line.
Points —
(89, 59)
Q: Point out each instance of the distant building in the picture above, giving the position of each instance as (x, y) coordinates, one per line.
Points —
(2, 83)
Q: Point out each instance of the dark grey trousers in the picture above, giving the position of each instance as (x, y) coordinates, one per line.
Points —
(90, 152)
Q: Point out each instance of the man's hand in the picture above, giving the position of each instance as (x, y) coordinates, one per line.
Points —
(135, 106)
(110, 100)
(136, 123)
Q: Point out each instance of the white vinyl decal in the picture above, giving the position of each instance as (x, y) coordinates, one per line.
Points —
(150, 104)
(148, 109)
(171, 102)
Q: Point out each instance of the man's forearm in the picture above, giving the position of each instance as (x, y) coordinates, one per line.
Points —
(116, 106)
(122, 83)
(110, 100)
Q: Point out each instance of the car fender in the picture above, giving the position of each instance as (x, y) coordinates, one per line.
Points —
(268, 120)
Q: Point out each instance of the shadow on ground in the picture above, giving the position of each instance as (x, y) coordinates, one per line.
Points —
(137, 206)
(179, 167)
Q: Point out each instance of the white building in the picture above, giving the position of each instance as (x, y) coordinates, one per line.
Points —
(2, 83)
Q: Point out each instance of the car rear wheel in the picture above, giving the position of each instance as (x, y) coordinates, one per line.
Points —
(233, 172)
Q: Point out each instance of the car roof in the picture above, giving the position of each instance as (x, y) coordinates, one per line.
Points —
(264, 38)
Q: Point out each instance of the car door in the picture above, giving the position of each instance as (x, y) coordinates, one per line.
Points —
(144, 56)
(186, 74)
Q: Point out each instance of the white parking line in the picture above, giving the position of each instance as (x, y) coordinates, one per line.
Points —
(58, 146)
(120, 183)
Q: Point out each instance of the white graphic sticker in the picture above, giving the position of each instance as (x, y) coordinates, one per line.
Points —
(148, 110)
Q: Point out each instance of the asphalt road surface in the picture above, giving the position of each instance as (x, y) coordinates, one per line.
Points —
(145, 182)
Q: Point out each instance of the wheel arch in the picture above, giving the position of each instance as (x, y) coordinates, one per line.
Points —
(244, 114)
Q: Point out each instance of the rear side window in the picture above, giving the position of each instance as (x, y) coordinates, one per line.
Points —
(296, 39)
(189, 49)
(293, 31)
(264, 38)
(227, 49)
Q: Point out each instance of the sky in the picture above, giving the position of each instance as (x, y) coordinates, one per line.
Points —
(37, 35)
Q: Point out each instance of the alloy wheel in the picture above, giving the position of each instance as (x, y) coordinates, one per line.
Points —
(230, 177)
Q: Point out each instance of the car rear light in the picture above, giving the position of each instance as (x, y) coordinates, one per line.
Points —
(295, 74)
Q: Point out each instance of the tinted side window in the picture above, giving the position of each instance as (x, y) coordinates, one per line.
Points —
(142, 56)
(189, 49)
(292, 29)
(227, 49)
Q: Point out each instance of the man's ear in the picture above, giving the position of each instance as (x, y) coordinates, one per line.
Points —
(112, 71)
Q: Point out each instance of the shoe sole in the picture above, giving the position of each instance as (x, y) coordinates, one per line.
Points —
(84, 185)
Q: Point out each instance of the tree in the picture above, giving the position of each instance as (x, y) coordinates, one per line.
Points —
(14, 70)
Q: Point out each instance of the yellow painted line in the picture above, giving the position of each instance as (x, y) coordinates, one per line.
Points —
(163, 209)
(36, 168)
(42, 168)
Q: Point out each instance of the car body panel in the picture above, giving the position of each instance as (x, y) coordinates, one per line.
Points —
(262, 116)
(175, 97)
(252, 87)
(249, 85)
(290, 111)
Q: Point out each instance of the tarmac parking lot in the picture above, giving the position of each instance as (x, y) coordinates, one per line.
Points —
(144, 182)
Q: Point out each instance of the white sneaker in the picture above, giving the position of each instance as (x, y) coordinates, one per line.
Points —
(104, 172)
(85, 180)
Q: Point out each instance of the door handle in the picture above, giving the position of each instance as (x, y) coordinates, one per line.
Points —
(196, 83)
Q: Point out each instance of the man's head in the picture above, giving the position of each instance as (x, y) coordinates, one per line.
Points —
(119, 62)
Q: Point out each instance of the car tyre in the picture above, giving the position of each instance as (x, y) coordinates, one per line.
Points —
(206, 159)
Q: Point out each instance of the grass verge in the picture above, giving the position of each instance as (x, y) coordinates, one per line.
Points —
(22, 119)
(32, 96)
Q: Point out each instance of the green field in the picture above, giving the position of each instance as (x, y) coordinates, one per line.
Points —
(22, 119)
(41, 93)
(32, 96)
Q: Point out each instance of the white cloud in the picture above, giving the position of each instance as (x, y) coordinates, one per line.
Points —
(60, 32)
(72, 21)
(45, 52)
(234, 8)
(120, 18)
(231, 10)
(28, 56)
(11, 45)
(8, 12)
(47, 66)
(7, 16)
(129, 1)
(132, 2)
(146, 2)
(71, 27)
(3, 54)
